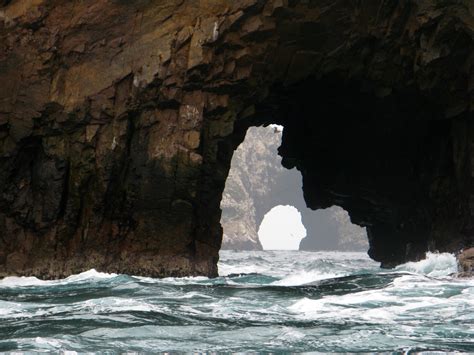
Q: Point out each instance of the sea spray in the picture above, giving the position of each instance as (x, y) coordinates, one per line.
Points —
(435, 265)
(87, 276)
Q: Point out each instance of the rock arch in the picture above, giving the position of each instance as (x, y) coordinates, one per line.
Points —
(118, 121)
(257, 182)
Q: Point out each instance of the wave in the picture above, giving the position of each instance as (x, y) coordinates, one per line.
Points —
(24, 281)
(305, 277)
(299, 302)
(435, 265)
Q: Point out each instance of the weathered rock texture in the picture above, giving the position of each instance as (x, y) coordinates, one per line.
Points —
(332, 229)
(118, 120)
(257, 182)
(466, 263)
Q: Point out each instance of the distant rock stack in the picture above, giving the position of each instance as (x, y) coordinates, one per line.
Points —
(255, 169)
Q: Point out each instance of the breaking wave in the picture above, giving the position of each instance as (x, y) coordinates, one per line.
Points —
(270, 301)
(435, 264)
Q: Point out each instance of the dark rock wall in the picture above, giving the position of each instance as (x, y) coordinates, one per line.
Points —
(118, 120)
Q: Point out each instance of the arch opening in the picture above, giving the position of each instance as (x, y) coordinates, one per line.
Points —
(263, 205)
(376, 105)
(281, 229)
(386, 157)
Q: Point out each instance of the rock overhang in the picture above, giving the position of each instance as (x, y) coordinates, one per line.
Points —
(133, 111)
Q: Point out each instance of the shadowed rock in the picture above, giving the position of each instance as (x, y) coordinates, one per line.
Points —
(118, 120)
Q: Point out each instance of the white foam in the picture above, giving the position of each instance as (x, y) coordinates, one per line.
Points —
(304, 277)
(290, 334)
(190, 295)
(435, 265)
(90, 274)
(172, 280)
(117, 304)
(323, 263)
(378, 306)
(48, 341)
(14, 281)
(8, 308)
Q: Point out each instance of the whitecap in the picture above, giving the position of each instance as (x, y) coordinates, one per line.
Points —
(48, 341)
(116, 304)
(14, 281)
(172, 280)
(305, 277)
(435, 265)
(189, 295)
(90, 274)
(377, 306)
(8, 308)
(290, 334)
(23, 281)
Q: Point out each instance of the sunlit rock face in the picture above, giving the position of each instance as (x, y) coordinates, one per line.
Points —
(118, 120)
(257, 182)
(255, 167)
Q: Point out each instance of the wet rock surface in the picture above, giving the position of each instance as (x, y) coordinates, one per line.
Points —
(118, 121)
(466, 263)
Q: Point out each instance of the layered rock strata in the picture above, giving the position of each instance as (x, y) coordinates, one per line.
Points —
(118, 120)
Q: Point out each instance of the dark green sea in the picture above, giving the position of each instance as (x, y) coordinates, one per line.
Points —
(270, 301)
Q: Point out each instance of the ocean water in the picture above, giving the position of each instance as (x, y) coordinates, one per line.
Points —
(271, 301)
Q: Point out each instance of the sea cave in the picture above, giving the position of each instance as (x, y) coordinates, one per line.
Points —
(118, 122)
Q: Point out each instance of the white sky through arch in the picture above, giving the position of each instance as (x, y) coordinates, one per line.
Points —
(281, 229)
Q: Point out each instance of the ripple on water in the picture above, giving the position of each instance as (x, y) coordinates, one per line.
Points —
(264, 301)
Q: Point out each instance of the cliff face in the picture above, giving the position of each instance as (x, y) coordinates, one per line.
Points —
(118, 120)
(252, 177)
(257, 182)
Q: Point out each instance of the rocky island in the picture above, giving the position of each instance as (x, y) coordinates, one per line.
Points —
(119, 119)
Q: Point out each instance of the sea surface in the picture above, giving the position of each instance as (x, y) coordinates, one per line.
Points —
(270, 301)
